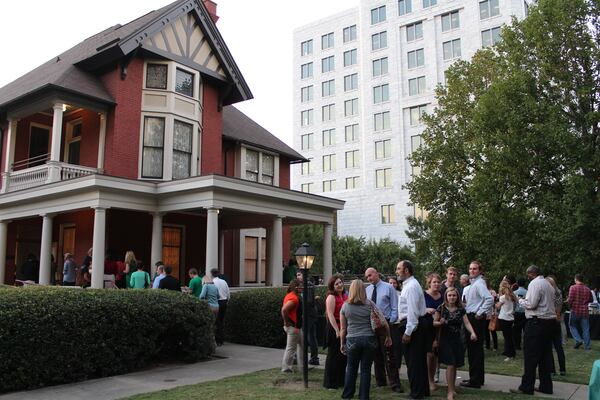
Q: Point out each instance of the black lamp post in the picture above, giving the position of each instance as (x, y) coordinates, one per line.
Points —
(305, 256)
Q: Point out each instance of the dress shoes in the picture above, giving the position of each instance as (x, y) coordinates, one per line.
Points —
(519, 391)
(468, 384)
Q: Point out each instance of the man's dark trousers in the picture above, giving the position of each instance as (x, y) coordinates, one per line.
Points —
(518, 326)
(475, 351)
(220, 336)
(415, 353)
(385, 362)
(537, 354)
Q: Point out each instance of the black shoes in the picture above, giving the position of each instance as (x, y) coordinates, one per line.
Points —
(314, 362)
(578, 345)
(398, 389)
(468, 384)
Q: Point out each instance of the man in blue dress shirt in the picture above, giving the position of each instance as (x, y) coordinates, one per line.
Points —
(385, 297)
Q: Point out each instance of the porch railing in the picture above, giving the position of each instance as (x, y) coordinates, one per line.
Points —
(42, 174)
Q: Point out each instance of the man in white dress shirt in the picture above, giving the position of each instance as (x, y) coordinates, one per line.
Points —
(411, 313)
(479, 303)
(224, 295)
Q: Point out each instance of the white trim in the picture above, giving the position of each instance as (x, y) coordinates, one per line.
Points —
(260, 234)
(41, 126)
(69, 136)
(182, 275)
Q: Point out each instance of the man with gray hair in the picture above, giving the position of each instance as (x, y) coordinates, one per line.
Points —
(537, 340)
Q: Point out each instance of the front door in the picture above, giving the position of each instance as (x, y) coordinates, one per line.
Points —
(172, 248)
(39, 138)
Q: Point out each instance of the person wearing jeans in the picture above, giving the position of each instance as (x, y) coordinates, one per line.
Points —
(579, 298)
(358, 341)
(291, 325)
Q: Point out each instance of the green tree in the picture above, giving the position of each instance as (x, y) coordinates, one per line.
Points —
(510, 168)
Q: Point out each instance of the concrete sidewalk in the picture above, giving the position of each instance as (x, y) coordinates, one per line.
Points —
(233, 360)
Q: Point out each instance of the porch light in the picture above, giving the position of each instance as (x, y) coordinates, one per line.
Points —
(305, 255)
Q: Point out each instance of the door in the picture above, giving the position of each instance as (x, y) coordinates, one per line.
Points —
(39, 138)
(171, 249)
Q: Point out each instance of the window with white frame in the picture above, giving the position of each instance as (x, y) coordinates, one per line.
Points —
(329, 185)
(352, 182)
(383, 178)
(328, 88)
(73, 141)
(381, 93)
(307, 187)
(267, 172)
(328, 112)
(429, 3)
(414, 31)
(381, 121)
(377, 15)
(184, 82)
(306, 117)
(379, 40)
(350, 33)
(259, 167)
(350, 82)
(350, 107)
(306, 70)
(383, 149)
(416, 86)
(490, 37)
(153, 147)
(306, 47)
(351, 133)
(380, 66)
(306, 141)
(415, 114)
(329, 163)
(350, 57)
(352, 159)
(252, 164)
(388, 215)
(182, 149)
(327, 41)
(451, 49)
(489, 8)
(328, 137)
(306, 94)
(450, 21)
(305, 169)
(416, 58)
(327, 64)
(156, 76)
(404, 7)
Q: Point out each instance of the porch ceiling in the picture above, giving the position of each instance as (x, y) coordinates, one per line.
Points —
(234, 196)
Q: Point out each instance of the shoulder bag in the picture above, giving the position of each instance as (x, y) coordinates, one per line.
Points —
(378, 322)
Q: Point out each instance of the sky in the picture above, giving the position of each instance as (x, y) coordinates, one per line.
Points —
(257, 32)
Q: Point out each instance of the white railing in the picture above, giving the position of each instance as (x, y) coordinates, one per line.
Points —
(42, 174)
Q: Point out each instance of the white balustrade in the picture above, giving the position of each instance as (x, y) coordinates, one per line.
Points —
(38, 175)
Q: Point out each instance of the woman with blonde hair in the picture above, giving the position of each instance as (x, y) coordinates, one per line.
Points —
(506, 317)
(130, 268)
(210, 293)
(357, 340)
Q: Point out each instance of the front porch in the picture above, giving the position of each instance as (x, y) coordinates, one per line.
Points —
(214, 215)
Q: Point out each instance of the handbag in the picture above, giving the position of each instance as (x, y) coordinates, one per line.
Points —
(378, 322)
(494, 324)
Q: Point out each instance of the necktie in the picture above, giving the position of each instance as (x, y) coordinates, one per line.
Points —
(374, 294)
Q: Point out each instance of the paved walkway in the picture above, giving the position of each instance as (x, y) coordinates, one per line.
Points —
(236, 360)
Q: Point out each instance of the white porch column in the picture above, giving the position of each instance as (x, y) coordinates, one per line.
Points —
(212, 239)
(53, 164)
(98, 244)
(3, 236)
(10, 153)
(275, 273)
(101, 141)
(222, 252)
(46, 250)
(327, 252)
(156, 247)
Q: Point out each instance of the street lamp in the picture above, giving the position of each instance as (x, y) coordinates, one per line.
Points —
(305, 256)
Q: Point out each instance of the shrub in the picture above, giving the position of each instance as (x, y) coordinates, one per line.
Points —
(56, 335)
(254, 316)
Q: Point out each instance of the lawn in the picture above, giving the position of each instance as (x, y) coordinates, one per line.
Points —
(579, 362)
(272, 384)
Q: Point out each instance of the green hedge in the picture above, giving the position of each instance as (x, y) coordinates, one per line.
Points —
(254, 316)
(56, 335)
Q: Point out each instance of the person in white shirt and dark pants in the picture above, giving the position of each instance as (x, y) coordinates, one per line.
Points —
(479, 304)
(224, 295)
(411, 313)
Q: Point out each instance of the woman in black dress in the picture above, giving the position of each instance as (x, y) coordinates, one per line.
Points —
(335, 364)
(451, 317)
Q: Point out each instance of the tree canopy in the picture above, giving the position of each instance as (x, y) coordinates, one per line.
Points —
(510, 166)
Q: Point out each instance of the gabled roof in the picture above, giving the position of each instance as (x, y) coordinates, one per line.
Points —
(73, 70)
(238, 127)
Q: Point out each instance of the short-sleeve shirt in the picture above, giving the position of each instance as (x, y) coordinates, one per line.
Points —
(358, 319)
(291, 296)
(454, 318)
(196, 286)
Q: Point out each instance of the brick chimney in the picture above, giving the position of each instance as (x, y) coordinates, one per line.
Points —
(211, 6)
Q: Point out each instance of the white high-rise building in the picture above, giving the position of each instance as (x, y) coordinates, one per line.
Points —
(362, 78)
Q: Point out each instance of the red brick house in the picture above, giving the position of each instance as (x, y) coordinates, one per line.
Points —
(129, 141)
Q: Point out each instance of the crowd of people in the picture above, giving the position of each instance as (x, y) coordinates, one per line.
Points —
(442, 323)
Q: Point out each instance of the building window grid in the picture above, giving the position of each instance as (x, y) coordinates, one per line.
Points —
(350, 57)
(388, 214)
(329, 185)
(327, 41)
(415, 114)
(306, 117)
(350, 107)
(328, 113)
(306, 169)
(350, 82)
(380, 66)
(306, 141)
(416, 86)
(383, 178)
(327, 64)
(451, 49)
(328, 88)
(381, 121)
(383, 149)
(307, 187)
(404, 7)
(414, 31)
(429, 3)
(329, 163)
(378, 15)
(416, 58)
(352, 182)
(489, 8)
(381, 93)
(352, 159)
(306, 94)
(306, 47)
(306, 70)
(349, 33)
(450, 21)
(328, 137)
(351, 133)
(379, 40)
(490, 37)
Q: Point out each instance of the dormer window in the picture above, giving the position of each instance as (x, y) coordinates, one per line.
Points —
(184, 82)
(260, 166)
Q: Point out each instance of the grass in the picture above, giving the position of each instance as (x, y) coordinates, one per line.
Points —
(579, 362)
(272, 384)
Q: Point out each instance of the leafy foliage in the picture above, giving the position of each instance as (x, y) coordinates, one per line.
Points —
(510, 170)
(56, 335)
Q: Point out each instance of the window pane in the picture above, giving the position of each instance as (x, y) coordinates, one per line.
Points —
(184, 82)
(182, 136)
(181, 164)
(251, 161)
(154, 131)
(156, 76)
(152, 162)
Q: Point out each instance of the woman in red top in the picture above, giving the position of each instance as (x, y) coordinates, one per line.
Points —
(335, 365)
(291, 326)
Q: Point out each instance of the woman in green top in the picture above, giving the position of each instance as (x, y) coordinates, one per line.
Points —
(140, 279)
(195, 283)
(130, 267)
